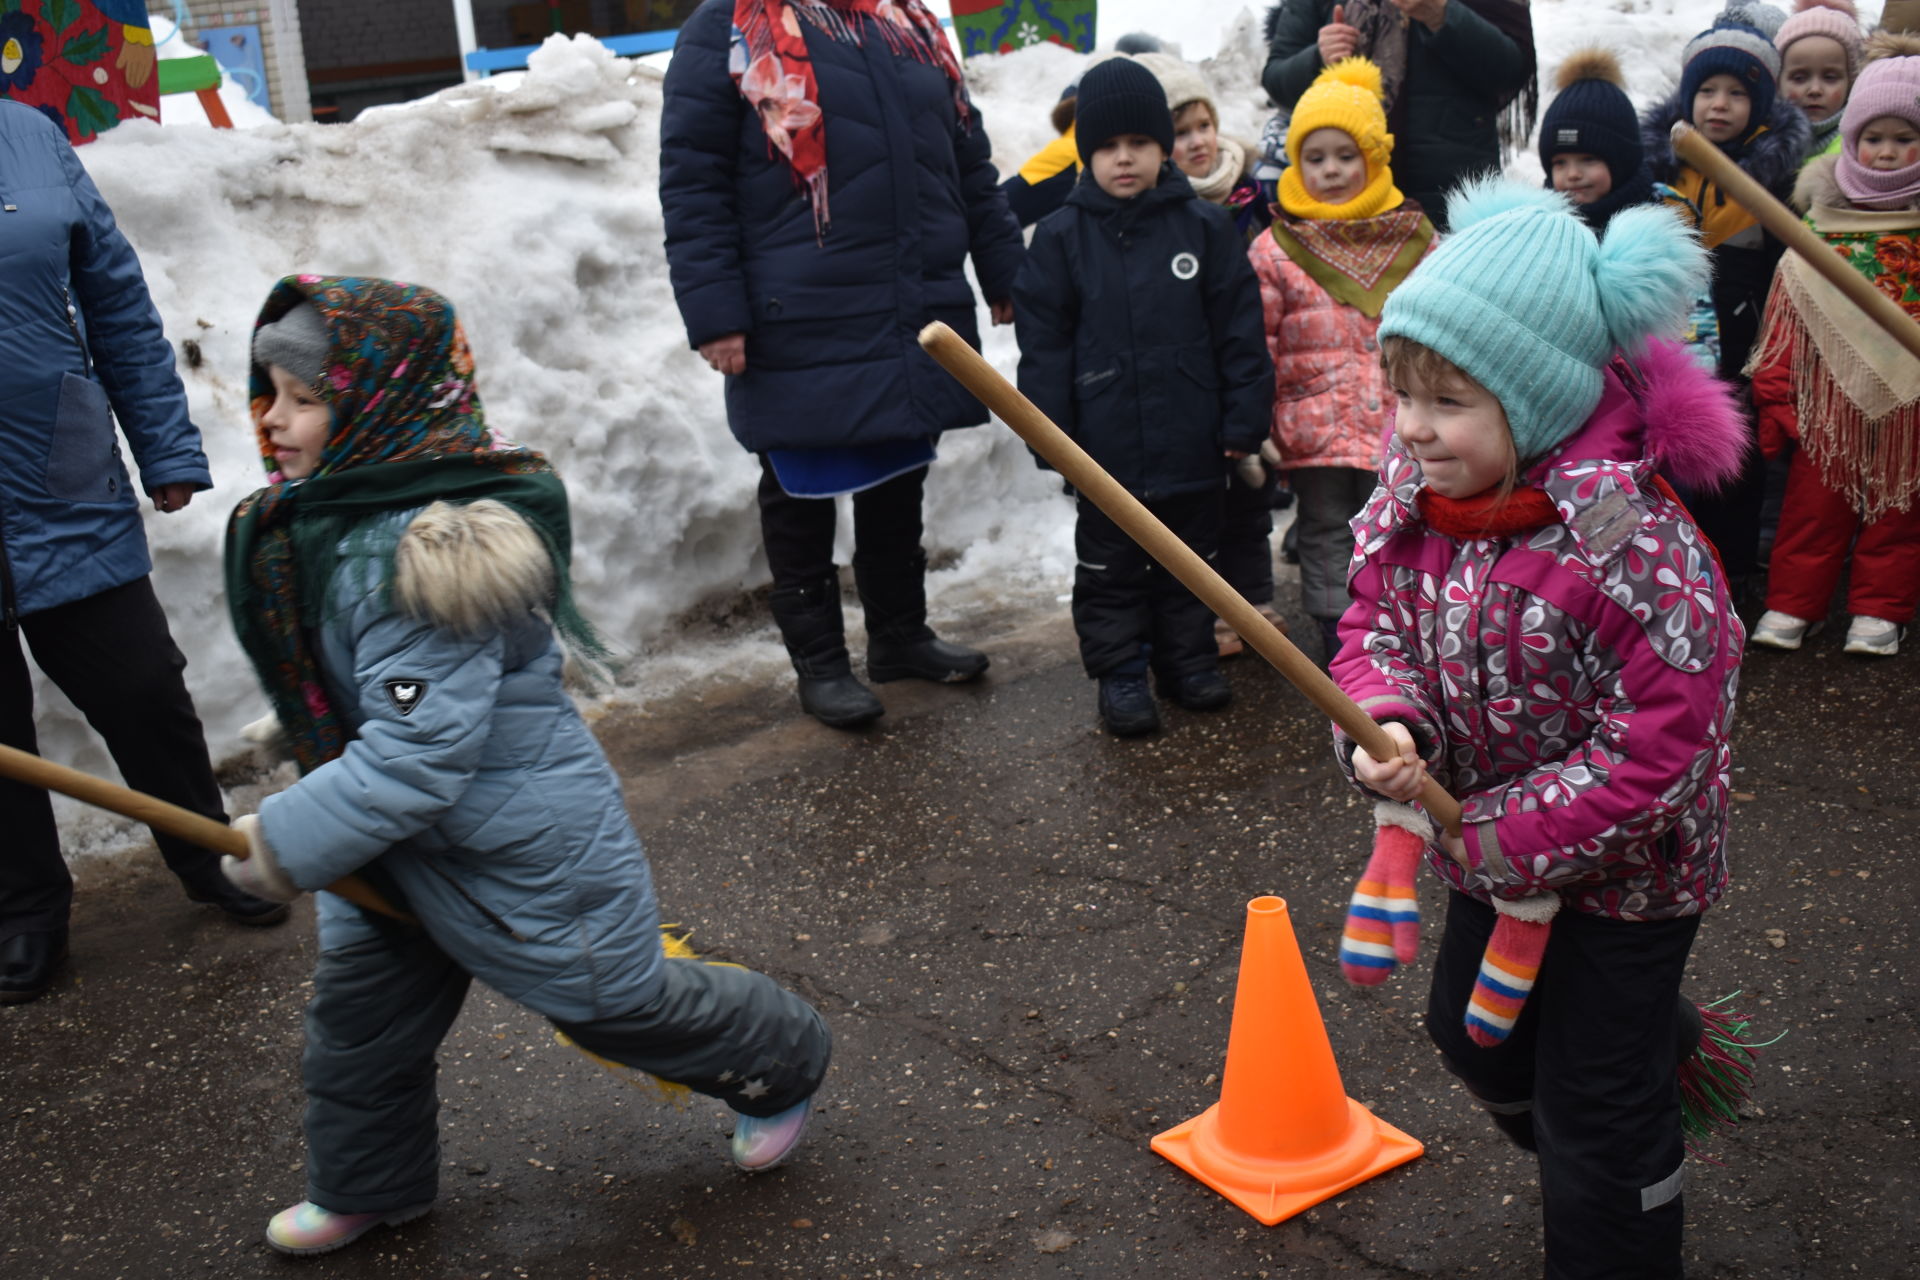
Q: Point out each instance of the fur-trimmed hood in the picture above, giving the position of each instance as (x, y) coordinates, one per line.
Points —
(1770, 158)
(472, 567)
(1680, 416)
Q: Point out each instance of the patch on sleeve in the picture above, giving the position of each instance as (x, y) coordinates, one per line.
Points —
(1604, 526)
(405, 695)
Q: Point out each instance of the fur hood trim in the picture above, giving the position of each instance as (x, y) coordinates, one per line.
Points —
(1818, 185)
(471, 568)
(1273, 21)
(1696, 433)
(1772, 159)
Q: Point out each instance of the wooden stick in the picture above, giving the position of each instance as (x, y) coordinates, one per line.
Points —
(1787, 226)
(1158, 541)
(23, 766)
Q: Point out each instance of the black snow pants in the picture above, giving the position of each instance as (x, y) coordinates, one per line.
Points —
(1123, 602)
(1587, 1079)
(380, 1009)
(113, 656)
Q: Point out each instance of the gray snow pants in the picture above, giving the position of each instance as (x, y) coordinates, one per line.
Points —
(381, 1008)
(1328, 498)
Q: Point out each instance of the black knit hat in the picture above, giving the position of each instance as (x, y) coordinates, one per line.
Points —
(1592, 114)
(1120, 96)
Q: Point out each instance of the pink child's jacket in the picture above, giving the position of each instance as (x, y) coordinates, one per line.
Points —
(1330, 398)
(1573, 686)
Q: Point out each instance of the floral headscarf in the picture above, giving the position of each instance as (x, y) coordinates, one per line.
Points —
(408, 430)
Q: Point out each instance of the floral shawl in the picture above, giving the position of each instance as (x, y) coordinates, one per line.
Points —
(769, 61)
(407, 431)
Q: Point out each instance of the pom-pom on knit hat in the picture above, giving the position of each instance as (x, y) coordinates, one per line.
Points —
(1120, 96)
(1592, 114)
(298, 343)
(1182, 82)
(1734, 49)
(1767, 19)
(1344, 96)
(1834, 19)
(1529, 304)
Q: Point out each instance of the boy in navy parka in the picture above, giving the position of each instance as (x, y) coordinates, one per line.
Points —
(1140, 334)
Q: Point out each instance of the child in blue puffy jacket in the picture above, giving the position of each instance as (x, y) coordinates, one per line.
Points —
(396, 586)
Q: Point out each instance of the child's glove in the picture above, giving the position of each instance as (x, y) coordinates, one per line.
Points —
(259, 873)
(1509, 965)
(1383, 920)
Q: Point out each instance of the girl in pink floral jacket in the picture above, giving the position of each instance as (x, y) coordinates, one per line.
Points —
(1342, 239)
(1539, 623)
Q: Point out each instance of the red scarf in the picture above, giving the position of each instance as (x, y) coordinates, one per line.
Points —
(770, 63)
(1488, 515)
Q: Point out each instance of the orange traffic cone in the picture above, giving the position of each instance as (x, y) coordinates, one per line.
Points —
(1284, 1135)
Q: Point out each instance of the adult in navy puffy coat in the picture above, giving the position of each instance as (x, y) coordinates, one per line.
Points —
(78, 334)
(825, 178)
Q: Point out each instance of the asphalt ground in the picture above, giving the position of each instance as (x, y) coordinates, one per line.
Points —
(1026, 936)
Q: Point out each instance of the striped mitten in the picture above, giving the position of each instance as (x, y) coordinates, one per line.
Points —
(1509, 966)
(1383, 920)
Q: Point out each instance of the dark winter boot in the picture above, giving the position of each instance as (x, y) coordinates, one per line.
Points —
(900, 644)
(1205, 690)
(1126, 705)
(810, 624)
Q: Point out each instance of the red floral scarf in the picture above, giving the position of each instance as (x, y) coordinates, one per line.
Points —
(770, 63)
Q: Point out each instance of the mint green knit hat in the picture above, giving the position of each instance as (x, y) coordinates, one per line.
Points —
(1524, 299)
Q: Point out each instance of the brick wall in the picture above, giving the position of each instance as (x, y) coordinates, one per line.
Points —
(280, 42)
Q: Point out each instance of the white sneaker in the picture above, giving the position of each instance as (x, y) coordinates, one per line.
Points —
(1778, 630)
(1875, 636)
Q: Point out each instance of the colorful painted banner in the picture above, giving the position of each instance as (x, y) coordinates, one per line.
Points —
(86, 64)
(1001, 26)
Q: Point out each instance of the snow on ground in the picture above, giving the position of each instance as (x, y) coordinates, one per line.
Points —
(534, 207)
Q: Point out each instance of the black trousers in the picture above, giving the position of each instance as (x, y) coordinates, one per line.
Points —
(1122, 600)
(799, 531)
(1246, 532)
(114, 658)
(1587, 1078)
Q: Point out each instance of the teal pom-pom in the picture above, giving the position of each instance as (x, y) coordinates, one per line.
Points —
(1650, 269)
(1488, 197)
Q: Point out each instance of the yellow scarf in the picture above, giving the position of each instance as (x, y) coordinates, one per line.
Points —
(1378, 196)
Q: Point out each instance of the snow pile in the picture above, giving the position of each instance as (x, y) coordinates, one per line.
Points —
(532, 202)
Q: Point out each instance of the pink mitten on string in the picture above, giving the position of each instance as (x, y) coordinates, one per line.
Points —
(1509, 966)
(1383, 920)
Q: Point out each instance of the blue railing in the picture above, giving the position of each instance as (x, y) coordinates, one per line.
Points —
(488, 61)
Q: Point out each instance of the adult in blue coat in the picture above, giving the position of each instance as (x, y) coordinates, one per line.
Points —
(825, 178)
(81, 344)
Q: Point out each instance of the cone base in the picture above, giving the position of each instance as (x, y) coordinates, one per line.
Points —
(1275, 1190)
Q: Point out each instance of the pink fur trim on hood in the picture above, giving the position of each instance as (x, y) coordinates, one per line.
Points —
(1696, 433)
(1677, 414)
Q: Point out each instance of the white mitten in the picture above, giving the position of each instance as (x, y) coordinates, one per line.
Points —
(259, 872)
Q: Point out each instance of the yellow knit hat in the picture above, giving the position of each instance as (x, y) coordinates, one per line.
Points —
(1345, 96)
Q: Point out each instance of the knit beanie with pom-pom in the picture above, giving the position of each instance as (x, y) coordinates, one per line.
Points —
(1344, 96)
(1834, 19)
(1532, 306)
(1736, 49)
(1592, 115)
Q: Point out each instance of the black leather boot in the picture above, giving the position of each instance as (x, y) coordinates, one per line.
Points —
(900, 644)
(28, 963)
(815, 636)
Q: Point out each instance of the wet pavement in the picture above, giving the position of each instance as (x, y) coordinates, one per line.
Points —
(1026, 936)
